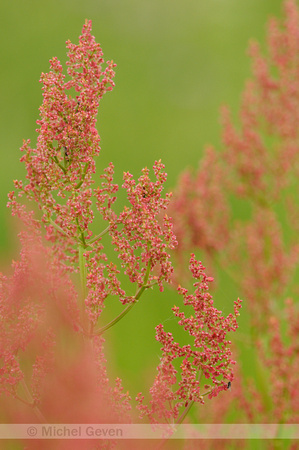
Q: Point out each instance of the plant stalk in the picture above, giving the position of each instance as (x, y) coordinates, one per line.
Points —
(130, 306)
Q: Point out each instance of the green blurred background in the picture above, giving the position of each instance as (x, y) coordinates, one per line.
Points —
(177, 63)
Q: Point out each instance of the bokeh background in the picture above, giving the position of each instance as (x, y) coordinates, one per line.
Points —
(177, 63)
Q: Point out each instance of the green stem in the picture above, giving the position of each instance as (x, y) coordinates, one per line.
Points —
(184, 413)
(189, 406)
(115, 320)
(30, 402)
(79, 184)
(55, 159)
(130, 306)
(93, 240)
(144, 285)
(82, 266)
(82, 237)
(57, 227)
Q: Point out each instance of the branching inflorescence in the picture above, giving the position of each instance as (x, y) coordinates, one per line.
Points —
(209, 358)
(60, 180)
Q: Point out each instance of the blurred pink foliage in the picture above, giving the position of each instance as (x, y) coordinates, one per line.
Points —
(240, 211)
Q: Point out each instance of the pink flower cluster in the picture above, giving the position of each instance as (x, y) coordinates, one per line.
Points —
(208, 358)
(41, 307)
(60, 174)
(60, 169)
(141, 231)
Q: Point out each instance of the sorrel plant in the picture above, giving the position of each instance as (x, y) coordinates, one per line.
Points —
(50, 330)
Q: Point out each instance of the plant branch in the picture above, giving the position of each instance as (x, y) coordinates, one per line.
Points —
(58, 228)
(130, 306)
(93, 240)
(55, 159)
(31, 402)
(83, 272)
(184, 413)
(79, 184)
(115, 320)
(82, 238)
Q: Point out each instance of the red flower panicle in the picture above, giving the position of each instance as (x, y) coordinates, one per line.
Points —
(60, 169)
(60, 173)
(208, 358)
(40, 305)
(142, 242)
